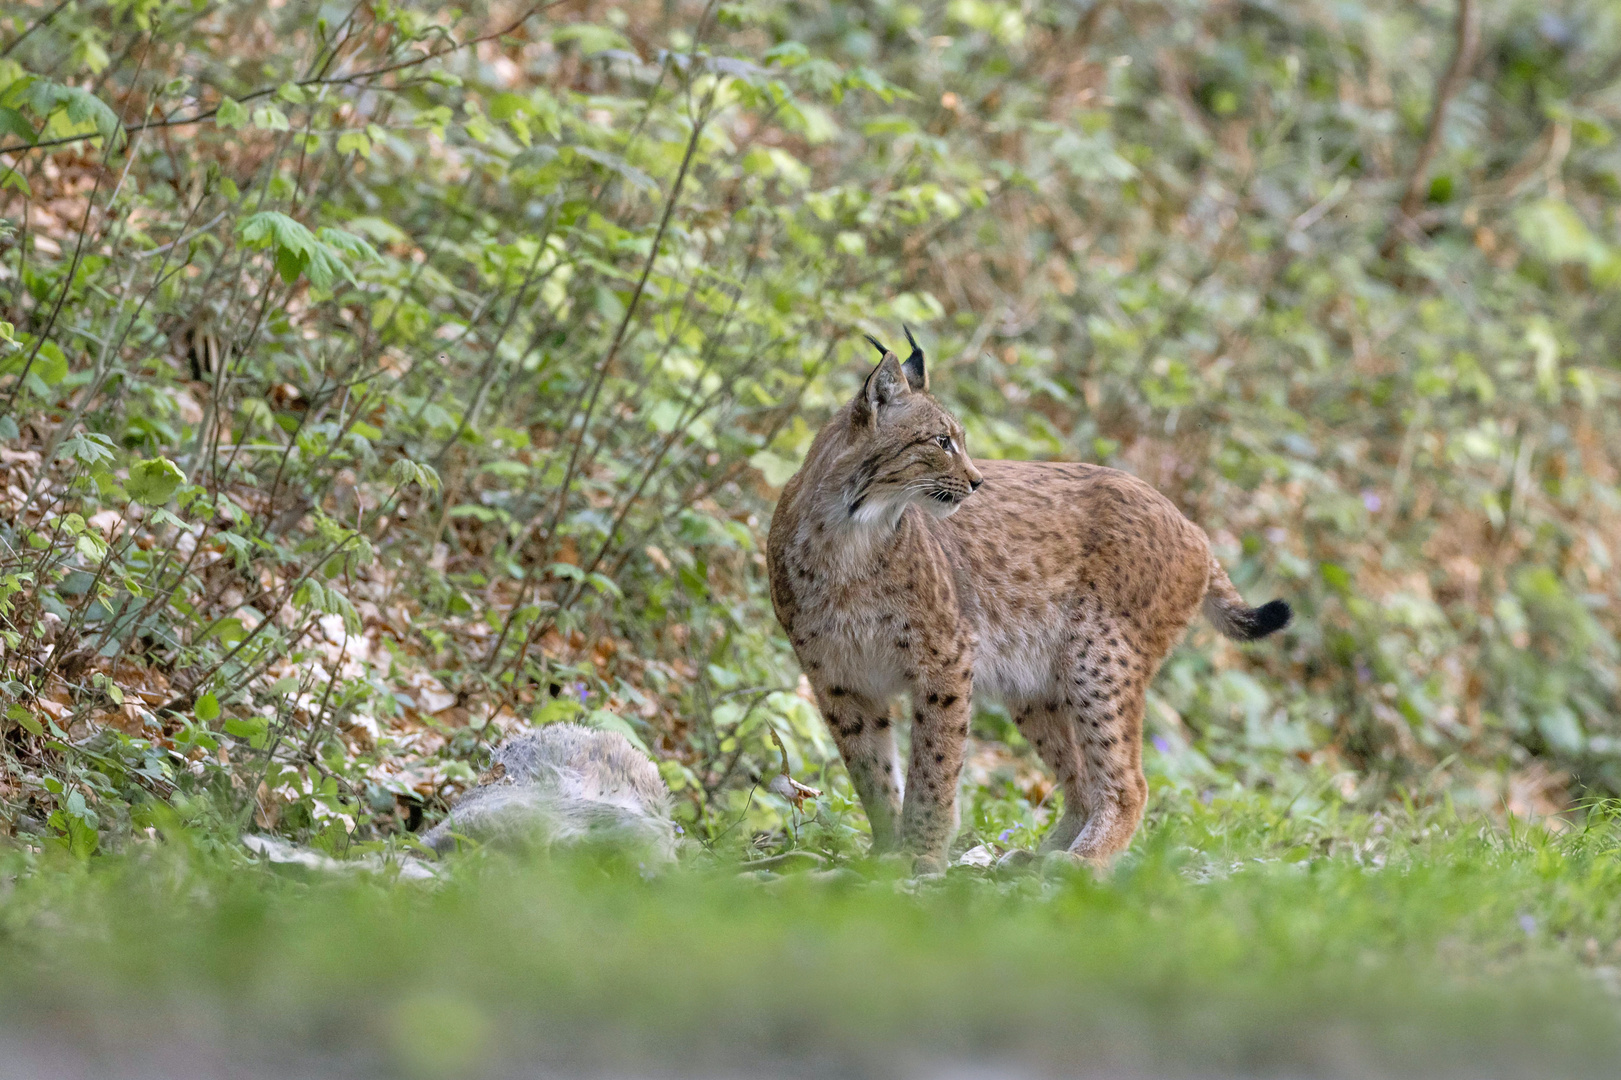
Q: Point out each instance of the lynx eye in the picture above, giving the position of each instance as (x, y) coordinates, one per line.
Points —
(943, 441)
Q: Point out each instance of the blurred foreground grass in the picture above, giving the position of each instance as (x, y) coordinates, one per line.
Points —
(1237, 938)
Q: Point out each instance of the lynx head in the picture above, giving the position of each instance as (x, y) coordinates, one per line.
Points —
(907, 448)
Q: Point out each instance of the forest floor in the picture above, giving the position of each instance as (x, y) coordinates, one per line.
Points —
(1237, 938)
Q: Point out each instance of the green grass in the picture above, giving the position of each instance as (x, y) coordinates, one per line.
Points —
(1236, 938)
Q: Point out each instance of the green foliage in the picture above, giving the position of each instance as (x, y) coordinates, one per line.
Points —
(1247, 936)
(362, 394)
(154, 482)
(299, 251)
(374, 381)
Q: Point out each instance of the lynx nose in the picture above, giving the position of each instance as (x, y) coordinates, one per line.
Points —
(973, 485)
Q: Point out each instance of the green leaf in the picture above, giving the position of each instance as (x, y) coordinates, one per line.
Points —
(270, 118)
(270, 228)
(354, 142)
(590, 38)
(405, 471)
(75, 834)
(228, 631)
(606, 585)
(379, 230)
(110, 688)
(207, 708)
(89, 54)
(298, 251)
(289, 264)
(507, 470)
(153, 482)
(293, 245)
(348, 244)
(26, 719)
(562, 708)
(83, 107)
(13, 122)
(87, 447)
(231, 114)
(254, 731)
(603, 720)
(69, 110)
(51, 365)
(619, 165)
(14, 180)
(786, 54)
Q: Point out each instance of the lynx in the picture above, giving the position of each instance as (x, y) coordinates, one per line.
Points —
(901, 566)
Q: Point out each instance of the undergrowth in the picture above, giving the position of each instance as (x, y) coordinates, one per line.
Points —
(1240, 934)
(376, 379)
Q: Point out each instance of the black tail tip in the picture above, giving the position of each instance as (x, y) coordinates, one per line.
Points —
(1269, 618)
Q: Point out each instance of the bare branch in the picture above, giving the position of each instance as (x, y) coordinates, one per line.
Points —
(1467, 34)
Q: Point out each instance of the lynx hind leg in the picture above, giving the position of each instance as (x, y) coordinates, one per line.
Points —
(866, 740)
(939, 731)
(1109, 727)
(1050, 728)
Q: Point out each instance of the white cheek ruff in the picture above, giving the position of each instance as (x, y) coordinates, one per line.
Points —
(875, 510)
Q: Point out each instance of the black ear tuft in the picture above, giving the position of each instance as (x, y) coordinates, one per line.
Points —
(917, 376)
(885, 385)
(877, 345)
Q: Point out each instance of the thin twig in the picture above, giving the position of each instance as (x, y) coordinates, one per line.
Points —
(1467, 33)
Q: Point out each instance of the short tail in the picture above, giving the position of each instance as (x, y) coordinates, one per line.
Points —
(1229, 614)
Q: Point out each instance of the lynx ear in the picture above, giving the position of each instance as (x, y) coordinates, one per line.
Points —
(885, 385)
(916, 376)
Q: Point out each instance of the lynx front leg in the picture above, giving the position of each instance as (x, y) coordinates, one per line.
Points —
(939, 730)
(866, 740)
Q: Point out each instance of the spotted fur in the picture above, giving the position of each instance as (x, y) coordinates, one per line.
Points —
(901, 566)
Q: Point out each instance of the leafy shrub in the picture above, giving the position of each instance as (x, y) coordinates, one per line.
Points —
(376, 379)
